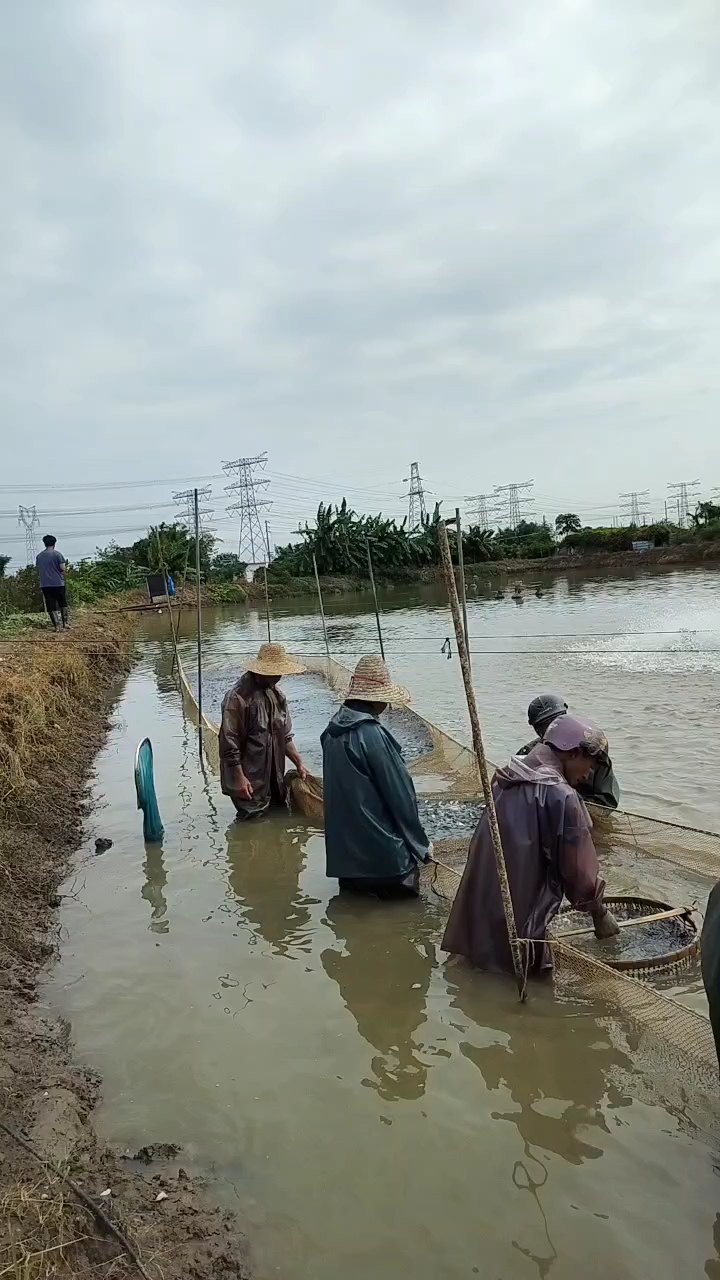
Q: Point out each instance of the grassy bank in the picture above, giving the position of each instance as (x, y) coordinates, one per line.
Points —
(56, 693)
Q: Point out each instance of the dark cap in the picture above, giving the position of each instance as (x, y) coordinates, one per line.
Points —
(546, 707)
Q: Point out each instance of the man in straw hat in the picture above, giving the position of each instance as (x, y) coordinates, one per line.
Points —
(256, 734)
(549, 853)
(374, 838)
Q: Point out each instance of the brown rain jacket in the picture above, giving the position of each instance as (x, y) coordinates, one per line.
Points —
(255, 730)
(549, 853)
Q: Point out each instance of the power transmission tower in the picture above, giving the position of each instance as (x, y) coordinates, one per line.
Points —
(29, 518)
(186, 503)
(635, 506)
(684, 491)
(516, 499)
(253, 538)
(479, 513)
(417, 510)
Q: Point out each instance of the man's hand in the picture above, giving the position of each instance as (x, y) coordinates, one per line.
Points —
(302, 771)
(606, 926)
(243, 788)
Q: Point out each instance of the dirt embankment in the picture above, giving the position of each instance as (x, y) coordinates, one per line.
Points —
(56, 693)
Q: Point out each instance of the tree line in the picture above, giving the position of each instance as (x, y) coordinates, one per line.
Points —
(338, 539)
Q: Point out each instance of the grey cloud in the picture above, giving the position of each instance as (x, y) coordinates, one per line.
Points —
(360, 234)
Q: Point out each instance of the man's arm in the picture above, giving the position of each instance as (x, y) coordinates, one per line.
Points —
(604, 788)
(291, 750)
(580, 869)
(233, 731)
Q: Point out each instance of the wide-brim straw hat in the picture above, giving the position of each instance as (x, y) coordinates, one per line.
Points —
(273, 660)
(371, 683)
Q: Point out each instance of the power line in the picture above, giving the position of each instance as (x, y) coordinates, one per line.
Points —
(29, 517)
(417, 511)
(516, 499)
(635, 506)
(479, 513)
(186, 504)
(683, 490)
(252, 538)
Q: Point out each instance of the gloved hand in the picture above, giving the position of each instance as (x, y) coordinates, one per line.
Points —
(430, 853)
(606, 926)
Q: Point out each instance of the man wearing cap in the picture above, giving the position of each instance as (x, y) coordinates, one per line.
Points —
(374, 839)
(549, 853)
(256, 734)
(602, 787)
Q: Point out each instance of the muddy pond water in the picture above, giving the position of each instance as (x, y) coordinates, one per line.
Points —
(369, 1110)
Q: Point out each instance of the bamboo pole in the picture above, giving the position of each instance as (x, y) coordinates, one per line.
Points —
(515, 944)
(322, 607)
(463, 589)
(374, 591)
(199, 621)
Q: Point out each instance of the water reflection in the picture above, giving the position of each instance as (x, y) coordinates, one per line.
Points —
(712, 1266)
(383, 974)
(559, 1083)
(152, 890)
(266, 858)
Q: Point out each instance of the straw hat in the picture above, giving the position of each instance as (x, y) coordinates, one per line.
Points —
(371, 683)
(272, 660)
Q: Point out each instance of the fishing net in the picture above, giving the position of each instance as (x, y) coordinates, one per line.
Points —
(306, 795)
(672, 1042)
(643, 944)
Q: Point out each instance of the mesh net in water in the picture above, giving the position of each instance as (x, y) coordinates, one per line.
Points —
(670, 1042)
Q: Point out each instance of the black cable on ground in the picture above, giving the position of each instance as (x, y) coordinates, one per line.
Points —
(86, 1200)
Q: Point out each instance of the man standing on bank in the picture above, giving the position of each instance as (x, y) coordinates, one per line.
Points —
(256, 734)
(51, 567)
(374, 839)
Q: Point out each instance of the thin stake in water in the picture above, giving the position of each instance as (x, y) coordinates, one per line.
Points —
(267, 597)
(199, 620)
(374, 591)
(322, 609)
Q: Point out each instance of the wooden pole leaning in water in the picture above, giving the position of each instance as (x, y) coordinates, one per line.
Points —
(374, 591)
(322, 608)
(515, 944)
(199, 621)
(463, 590)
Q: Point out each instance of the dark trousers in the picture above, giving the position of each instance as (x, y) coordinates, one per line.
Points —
(385, 887)
(55, 599)
(55, 602)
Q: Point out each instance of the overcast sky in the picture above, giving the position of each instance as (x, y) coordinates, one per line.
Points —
(484, 236)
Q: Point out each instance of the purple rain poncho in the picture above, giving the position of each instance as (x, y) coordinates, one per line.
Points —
(549, 854)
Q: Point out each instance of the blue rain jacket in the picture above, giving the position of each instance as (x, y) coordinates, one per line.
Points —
(372, 825)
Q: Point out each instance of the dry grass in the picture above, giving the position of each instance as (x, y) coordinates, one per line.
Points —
(53, 694)
(45, 682)
(42, 1231)
(50, 691)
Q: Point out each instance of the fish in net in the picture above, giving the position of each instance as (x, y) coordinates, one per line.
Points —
(644, 943)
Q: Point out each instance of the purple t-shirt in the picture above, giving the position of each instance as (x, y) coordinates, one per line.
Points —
(51, 566)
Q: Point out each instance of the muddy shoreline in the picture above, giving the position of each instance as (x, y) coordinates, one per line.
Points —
(55, 710)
